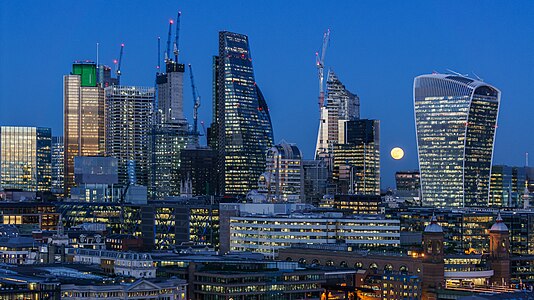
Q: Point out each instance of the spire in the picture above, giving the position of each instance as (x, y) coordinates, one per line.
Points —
(433, 226)
(499, 224)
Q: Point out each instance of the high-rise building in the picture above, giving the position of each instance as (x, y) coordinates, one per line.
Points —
(198, 165)
(128, 125)
(455, 120)
(282, 180)
(170, 133)
(243, 124)
(58, 166)
(357, 158)
(25, 158)
(408, 180)
(341, 105)
(315, 177)
(83, 117)
(507, 186)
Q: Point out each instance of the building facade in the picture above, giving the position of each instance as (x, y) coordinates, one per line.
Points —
(282, 180)
(83, 117)
(356, 168)
(128, 125)
(58, 165)
(340, 105)
(241, 115)
(199, 165)
(456, 119)
(408, 181)
(507, 186)
(267, 234)
(25, 158)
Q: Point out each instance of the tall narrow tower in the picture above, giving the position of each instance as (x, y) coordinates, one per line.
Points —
(500, 252)
(244, 130)
(433, 259)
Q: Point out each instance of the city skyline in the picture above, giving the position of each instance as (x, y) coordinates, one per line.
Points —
(359, 58)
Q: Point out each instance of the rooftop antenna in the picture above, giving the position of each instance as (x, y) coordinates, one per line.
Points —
(97, 44)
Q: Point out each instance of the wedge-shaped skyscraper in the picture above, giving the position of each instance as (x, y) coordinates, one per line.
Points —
(241, 117)
(455, 120)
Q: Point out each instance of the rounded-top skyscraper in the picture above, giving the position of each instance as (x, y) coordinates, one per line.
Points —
(455, 120)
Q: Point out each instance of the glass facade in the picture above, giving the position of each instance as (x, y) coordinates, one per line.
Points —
(244, 125)
(58, 165)
(507, 186)
(340, 105)
(128, 125)
(356, 167)
(282, 179)
(455, 121)
(25, 158)
(83, 121)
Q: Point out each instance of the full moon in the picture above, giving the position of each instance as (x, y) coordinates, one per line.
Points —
(397, 153)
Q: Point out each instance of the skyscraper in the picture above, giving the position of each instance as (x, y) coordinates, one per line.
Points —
(341, 105)
(25, 158)
(282, 180)
(455, 120)
(58, 166)
(507, 186)
(83, 104)
(198, 165)
(243, 124)
(128, 124)
(170, 96)
(356, 168)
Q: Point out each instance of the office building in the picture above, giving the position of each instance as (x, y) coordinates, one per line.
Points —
(340, 105)
(128, 125)
(198, 165)
(282, 180)
(315, 180)
(507, 186)
(455, 120)
(407, 180)
(269, 233)
(357, 158)
(94, 177)
(58, 166)
(170, 98)
(83, 117)
(25, 158)
(244, 131)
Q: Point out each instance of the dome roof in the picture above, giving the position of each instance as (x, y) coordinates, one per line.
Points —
(433, 226)
(499, 225)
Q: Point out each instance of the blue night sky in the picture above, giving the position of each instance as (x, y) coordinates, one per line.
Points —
(376, 48)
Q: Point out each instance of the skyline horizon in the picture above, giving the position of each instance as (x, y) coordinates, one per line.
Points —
(395, 136)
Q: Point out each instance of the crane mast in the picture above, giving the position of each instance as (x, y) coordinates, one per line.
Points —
(196, 101)
(168, 52)
(159, 53)
(119, 66)
(319, 60)
(176, 49)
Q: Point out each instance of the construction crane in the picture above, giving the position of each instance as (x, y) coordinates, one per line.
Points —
(196, 101)
(119, 66)
(168, 52)
(319, 60)
(158, 66)
(176, 37)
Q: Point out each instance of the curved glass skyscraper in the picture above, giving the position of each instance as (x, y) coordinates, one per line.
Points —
(241, 117)
(455, 120)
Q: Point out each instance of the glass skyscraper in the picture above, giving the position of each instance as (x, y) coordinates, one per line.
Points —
(58, 166)
(83, 104)
(243, 124)
(128, 125)
(455, 120)
(25, 158)
(340, 105)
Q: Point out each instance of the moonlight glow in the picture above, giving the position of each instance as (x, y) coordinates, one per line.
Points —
(397, 153)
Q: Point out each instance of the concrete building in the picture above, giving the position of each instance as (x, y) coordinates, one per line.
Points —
(25, 158)
(268, 234)
(83, 117)
(456, 121)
